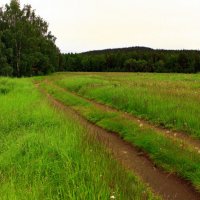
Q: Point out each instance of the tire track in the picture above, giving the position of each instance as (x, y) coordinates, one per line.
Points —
(185, 140)
(168, 186)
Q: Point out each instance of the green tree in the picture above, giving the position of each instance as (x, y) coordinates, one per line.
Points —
(133, 65)
(25, 35)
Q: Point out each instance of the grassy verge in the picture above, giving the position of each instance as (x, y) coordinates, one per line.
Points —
(170, 155)
(168, 99)
(45, 155)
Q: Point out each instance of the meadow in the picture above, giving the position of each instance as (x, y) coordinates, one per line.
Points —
(171, 155)
(46, 154)
(169, 100)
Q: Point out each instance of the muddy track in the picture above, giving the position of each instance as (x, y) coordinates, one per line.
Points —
(166, 185)
(186, 140)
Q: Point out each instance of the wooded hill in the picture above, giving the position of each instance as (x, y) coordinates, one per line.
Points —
(133, 59)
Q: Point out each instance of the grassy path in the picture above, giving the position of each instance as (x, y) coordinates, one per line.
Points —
(169, 100)
(184, 139)
(45, 154)
(131, 158)
(164, 152)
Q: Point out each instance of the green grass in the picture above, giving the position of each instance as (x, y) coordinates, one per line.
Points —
(170, 100)
(6, 85)
(170, 155)
(47, 155)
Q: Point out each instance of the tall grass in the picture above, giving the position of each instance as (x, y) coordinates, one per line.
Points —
(170, 100)
(46, 155)
(173, 156)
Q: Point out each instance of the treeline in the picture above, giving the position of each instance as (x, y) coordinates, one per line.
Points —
(135, 59)
(27, 48)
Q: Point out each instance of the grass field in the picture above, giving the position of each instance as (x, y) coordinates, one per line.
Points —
(171, 100)
(47, 155)
(166, 153)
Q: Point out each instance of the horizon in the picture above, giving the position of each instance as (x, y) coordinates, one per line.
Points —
(159, 49)
(82, 26)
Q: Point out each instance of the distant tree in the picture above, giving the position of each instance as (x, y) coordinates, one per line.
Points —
(110, 61)
(182, 62)
(98, 63)
(86, 63)
(171, 63)
(159, 66)
(133, 65)
(197, 62)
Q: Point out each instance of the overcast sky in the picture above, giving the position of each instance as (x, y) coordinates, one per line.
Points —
(82, 25)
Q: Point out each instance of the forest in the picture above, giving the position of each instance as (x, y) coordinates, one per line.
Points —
(133, 59)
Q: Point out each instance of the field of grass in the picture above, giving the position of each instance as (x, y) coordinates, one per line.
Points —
(168, 154)
(170, 100)
(47, 155)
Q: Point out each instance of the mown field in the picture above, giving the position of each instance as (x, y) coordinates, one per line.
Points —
(48, 154)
